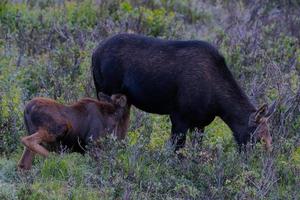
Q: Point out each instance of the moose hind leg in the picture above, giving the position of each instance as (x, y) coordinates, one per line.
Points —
(179, 129)
(25, 162)
(33, 142)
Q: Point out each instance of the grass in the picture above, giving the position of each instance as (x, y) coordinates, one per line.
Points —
(139, 170)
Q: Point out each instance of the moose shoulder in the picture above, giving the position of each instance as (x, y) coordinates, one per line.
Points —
(73, 126)
(187, 80)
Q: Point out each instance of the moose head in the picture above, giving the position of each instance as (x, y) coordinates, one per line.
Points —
(258, 123)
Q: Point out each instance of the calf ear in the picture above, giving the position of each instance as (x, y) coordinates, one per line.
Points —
(121, 101)
(104, 97)
(271, 109)
(263, 112)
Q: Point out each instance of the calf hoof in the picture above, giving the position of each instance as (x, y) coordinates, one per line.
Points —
(22, 167)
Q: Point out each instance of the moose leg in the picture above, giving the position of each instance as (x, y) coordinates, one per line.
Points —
(179, 129)
(26, 160)
(33, 142)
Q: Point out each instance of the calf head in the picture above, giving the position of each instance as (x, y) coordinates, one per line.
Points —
(258, 122)
(122, 113)
(121, 105)
(118, 100)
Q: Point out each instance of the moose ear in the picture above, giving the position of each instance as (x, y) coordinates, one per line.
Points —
(104, 97)
(261, 112)
(120, 100)
(271, 109)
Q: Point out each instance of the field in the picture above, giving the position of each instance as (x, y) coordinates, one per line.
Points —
(45, 50)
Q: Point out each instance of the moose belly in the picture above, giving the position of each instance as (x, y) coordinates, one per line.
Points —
(151, 94)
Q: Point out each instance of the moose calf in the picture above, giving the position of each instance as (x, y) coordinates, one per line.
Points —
(73, 126)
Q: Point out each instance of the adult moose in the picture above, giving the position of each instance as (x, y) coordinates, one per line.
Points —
(188, 80)
(73, 126)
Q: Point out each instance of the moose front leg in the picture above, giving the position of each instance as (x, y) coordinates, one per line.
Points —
(179, 129)
(33, 142)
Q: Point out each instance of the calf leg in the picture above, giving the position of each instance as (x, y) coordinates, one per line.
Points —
(26, 160)
(179, 129)
(33, 142)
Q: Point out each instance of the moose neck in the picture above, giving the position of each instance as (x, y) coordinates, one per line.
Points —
(235, 110)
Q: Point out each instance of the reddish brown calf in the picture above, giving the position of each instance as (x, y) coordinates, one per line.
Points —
(49, 122)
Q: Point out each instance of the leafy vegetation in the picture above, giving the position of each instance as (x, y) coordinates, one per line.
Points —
(45, 50)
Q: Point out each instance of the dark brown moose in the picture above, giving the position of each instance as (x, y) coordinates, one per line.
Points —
(49, 122)
(187, 80)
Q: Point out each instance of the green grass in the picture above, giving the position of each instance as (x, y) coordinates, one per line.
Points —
(140, 170)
